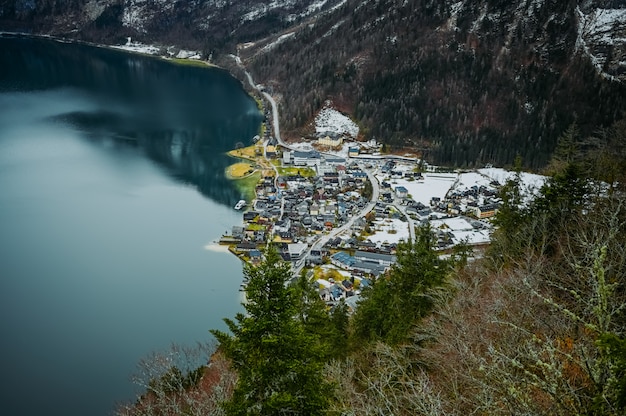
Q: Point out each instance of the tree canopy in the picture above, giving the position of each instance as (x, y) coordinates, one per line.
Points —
(278, 361)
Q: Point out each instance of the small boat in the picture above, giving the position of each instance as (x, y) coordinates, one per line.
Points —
(240, 204)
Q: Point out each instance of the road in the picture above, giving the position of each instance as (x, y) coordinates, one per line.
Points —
(275, 123)
(345, 227)
(299, 265)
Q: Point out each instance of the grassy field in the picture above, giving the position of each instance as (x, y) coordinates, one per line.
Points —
(190, 62)
(248, 184)
(239, 170)
(250, 152)
(304, 171)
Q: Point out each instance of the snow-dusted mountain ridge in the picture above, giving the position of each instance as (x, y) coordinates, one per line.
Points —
(463, 82)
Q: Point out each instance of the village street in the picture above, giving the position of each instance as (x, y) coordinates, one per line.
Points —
(312, 216)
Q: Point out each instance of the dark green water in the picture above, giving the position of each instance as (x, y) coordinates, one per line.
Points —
(111, 188)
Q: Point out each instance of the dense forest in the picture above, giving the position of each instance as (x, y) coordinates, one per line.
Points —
(461, 88)
(534, 325)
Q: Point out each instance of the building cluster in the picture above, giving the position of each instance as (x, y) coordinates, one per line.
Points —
(457, 217)
(292, 209)
(314, 194)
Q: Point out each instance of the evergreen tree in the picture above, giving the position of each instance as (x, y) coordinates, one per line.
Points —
(339, 320)
(567, 145)
(278, 362)
(393, 304)
(313, 316)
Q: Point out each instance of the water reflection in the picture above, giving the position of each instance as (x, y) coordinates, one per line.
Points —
(184, 118)
(102, 256)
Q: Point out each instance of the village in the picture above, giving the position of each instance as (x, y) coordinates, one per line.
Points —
(337, 208)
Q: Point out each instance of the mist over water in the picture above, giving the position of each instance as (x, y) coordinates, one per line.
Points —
(111, 187)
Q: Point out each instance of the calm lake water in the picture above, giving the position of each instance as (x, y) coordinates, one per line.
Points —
(112, 192)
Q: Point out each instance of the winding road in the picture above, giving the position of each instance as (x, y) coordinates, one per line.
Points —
(298, 266)
(271, 100)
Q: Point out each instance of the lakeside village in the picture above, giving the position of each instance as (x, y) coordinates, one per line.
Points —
(339, 208)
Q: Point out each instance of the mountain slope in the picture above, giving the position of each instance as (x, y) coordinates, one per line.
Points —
(468, 82)
(463, 82)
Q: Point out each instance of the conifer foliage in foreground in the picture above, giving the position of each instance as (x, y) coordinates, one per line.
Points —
(279, 363)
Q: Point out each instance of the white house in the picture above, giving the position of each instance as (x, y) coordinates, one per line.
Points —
(401, 192)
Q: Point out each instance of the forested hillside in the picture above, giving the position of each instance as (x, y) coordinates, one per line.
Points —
(461, 82)
(465, 82)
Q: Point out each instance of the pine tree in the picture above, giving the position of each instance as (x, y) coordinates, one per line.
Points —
(393, 304)
(278, 362)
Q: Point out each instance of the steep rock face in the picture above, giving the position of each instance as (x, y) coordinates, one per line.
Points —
(464, 82)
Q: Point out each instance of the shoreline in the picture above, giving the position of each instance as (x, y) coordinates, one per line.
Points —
(122, 48)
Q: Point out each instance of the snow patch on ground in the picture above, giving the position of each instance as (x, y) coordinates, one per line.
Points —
(183, 54)
(389, 230)
(454, 12)
(331, 120)
(138, 47)
(603, 21)
(433, 185)
(278, 41)
(333, 29)
(531, 183)
(463, 230)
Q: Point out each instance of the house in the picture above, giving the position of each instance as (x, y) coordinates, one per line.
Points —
(334, 160)
(316, 256)
(270, 152)
(309, 158)
(382, 259)
(238, 231)
(359, 175)
(282, 226)
(367, 245)
(297, 251)
(353, 151)
(330, 141)
(454, 209)
(315, 209)
(342, 260)
(287, 157)
(330, 209)
(302, 208)
(411, 210)
(250, 216)
(387, 197)
(333, 242)
(255, 256)
(369, 268)
(401, 192)
(283, 237)
(245, 247)
(486, 211)
(323, 169)
(331, 176)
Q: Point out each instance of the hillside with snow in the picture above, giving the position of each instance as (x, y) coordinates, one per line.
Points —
(329, 120)
(602, 37)
(465, 82)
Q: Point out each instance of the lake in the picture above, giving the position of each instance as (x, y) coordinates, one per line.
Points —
(112, 194)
